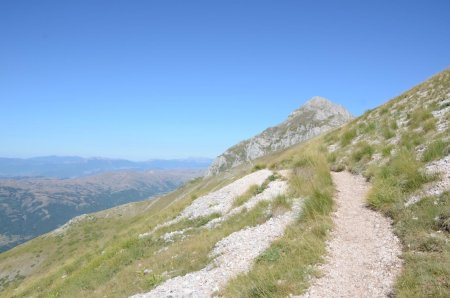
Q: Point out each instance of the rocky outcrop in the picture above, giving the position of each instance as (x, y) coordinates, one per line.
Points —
(316, 116)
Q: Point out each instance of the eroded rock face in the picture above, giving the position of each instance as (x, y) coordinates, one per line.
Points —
(316, 116)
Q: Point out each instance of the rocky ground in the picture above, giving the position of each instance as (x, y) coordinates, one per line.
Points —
(273, 189)
(363, 252)
(233, 255)
(220, 201)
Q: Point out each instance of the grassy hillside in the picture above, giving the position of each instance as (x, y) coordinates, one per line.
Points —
(102, 255)
(95, 249)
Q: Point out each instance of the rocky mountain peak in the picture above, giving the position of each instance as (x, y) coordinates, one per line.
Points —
(318, 101)
(316, 116)
(322, 105)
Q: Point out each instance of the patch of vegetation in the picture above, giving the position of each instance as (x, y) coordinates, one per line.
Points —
(254, 190)
(187, 223)
(251, 192)
(362, 150)
(386, 150)
(280, 205)
(259, 167)
(347, 137)
(387, 132)
(332, 157)
(418, 117)
(153, 280)
(368, 128)
(429, 125)
(426, 243)
(331, 138)
(436, 150)
(426, 250)
(383, 110)
(411, 139)
(420, 114)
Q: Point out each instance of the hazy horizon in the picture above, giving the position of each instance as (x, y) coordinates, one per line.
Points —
(109, 158)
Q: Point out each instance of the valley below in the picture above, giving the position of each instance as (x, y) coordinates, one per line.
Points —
(30, 207)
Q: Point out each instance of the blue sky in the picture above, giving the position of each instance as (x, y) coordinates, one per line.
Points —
(170, 79)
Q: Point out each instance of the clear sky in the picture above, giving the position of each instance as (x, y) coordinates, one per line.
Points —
(170, 79)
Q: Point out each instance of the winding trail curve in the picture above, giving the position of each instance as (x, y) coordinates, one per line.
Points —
(363, 252)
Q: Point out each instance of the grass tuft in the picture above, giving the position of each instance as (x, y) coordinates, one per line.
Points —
(251, 192)
(362, 150)
(436, 150)
(347, 137)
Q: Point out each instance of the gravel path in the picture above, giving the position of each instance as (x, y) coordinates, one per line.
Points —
(233, 255)
(363, 252)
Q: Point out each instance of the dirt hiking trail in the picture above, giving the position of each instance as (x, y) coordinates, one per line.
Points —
(363, 252)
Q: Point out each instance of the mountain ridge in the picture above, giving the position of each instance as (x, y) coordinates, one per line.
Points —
(316, 116)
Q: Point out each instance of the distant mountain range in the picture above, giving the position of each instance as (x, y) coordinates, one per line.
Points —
(74, 166)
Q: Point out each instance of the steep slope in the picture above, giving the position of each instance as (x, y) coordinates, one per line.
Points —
(30, 207)
(316, 116)
(143, 247)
